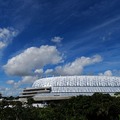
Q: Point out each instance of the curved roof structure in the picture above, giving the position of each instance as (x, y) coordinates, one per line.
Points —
(77, 81)
(64, 87)
(76, 85)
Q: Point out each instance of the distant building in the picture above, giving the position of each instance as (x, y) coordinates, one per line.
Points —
(64, 87)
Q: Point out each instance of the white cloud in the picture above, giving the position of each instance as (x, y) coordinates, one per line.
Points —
(11, 82)
(49, 71)
(116, 72)
(2, 45)
(106, 73)
(6, 36)
(76, 67)
(57, 39)
(10, 91)
(16, 86)
(39, 71)
(31, 59)
(28, 79)
(24, 80)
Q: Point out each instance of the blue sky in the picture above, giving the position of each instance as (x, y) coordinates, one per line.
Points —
(41, 38)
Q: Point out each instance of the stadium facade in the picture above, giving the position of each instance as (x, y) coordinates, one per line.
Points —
(64, 87)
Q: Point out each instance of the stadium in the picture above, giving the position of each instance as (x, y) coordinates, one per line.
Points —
(64, 87)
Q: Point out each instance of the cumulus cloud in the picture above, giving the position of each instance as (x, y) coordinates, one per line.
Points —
(31, 59)
(39, 71)
(16, 86)
(2, 45)
(116, 72)
(24, 80)
(10, 91)
(49, 71)
(6, 36)
(106, 73)
(10, 82)
(76, 67)
(28, 79)
(57, 39)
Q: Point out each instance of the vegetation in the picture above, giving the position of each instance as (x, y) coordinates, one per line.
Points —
(96, 107)
(117, 93)
(0, 95)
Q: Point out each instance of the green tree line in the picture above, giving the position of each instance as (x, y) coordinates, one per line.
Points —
(96, 107)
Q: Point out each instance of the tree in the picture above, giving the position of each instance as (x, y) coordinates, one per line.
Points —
(30, 101)
(0, 95)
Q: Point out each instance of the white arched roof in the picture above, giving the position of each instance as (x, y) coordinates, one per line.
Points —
(70, 81)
